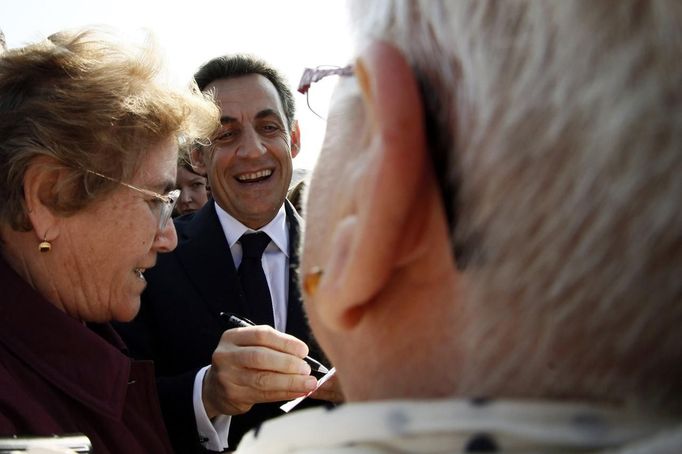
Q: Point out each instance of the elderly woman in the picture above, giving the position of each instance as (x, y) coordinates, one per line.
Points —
(88, 152)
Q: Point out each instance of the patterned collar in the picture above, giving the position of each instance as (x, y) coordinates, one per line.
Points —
(459, 426)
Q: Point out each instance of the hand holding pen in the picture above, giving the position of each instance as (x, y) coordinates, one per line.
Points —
(236, 321)
(253, 365)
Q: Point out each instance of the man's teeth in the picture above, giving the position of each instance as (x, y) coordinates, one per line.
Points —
(254, 175)
(139, 272)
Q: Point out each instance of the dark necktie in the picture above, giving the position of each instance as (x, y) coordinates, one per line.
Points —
(253, 280)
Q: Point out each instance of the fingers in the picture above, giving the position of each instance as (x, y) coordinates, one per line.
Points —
(266, 336)
(265, 386)
(330, 391)
(262, 348)
(255, 365)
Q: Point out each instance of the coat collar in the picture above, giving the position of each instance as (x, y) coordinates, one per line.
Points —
(84, 362)
(276, 229)
(205, 256)
(296, 324)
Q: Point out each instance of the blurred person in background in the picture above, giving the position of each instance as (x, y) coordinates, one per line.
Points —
(88, 152)
(297, 189)
(493, 248)
(193, 189)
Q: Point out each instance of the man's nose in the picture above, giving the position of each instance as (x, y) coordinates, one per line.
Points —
(251, 144)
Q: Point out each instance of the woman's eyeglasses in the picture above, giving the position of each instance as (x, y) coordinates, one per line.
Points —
(165, 202)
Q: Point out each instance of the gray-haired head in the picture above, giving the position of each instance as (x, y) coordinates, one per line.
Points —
(556, 129)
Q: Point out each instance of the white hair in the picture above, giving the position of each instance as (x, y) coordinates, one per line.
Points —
(564, 128)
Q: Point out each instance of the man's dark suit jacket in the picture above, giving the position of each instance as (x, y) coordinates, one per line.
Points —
(178, 325)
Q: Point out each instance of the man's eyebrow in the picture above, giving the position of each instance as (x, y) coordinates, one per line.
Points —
(265, 113)
(269, 113)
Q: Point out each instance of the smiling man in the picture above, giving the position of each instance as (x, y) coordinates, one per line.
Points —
(225, 381)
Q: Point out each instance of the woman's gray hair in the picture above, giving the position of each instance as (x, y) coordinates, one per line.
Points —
(563, 134)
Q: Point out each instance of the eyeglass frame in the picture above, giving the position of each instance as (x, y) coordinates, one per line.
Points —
(312, 75)
(168, 200)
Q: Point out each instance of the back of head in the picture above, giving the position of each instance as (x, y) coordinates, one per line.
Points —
(556, 130)
(231, 66)
(88, 102)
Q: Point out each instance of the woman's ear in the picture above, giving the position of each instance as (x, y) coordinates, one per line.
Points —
(369, 244)
(40, 196)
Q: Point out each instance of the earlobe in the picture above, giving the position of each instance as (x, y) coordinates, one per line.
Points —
(40, 180)
(370, 242)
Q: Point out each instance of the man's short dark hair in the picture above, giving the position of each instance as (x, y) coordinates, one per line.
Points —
(231, 66)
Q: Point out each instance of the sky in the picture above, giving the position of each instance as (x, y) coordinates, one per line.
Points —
(289, 34)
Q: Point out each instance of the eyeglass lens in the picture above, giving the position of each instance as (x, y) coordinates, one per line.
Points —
(167, 208)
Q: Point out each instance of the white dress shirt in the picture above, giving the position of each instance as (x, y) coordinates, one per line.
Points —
(275, 257)
(275, 263)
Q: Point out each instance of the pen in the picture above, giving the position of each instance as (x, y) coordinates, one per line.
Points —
(242, 322)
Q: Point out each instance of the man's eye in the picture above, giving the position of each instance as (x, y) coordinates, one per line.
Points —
(225, 136)
(198, 185)
(270, 127)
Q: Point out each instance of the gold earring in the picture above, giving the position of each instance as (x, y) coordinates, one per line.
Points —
(312, 279)
(45, 246)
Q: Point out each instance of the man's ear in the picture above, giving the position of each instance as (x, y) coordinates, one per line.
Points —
(40, 183)
(196, 158)
(295, 139)
(372, 242)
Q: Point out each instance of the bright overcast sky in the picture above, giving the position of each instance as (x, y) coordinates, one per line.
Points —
(290, 34)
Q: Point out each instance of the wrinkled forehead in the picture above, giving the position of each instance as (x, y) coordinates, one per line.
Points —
(245, 96)
(158, 168)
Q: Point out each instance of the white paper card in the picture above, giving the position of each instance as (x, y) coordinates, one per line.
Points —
(287, 407)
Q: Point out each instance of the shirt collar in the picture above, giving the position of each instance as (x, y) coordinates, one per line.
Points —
(276, 228)
(455, 425)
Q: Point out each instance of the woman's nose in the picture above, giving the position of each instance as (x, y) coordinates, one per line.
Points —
(166, 239)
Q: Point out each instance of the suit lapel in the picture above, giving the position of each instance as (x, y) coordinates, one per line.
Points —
(207, 260)
(296, 323)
